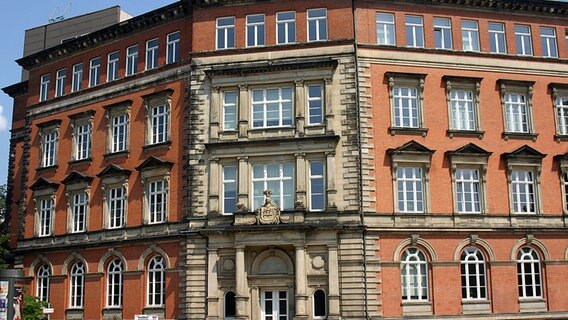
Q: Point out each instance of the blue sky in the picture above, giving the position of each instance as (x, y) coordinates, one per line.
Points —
(18, 16)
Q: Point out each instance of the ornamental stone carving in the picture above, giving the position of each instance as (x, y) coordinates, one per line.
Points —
(268, 213)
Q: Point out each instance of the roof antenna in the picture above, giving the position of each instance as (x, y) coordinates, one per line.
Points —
(54, 18)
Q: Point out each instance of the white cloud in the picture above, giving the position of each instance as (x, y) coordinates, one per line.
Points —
(3, 120)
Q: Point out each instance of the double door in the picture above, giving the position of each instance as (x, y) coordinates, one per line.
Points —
(274, 304)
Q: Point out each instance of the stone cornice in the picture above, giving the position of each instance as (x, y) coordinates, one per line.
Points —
(16, 89)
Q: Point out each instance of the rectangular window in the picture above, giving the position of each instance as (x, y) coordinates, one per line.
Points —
(317, 25)
(414, 31)
(470, 35)
(549, 47)
(406, 107)
(443, 33)
(79, 212)
(230, 110)
(385, 29)
(565, 185)
(255, 30)
(562, 114)
(60, 82)
(44, 87)
(315, 104)
(285, 27)
(523, 40)
(468, 191)
(116, 207)
(410, 189)
(157, 202)
(159, 121)
(152, 54)
(83, 141)
(172, 48)
(49, 151)
(230, 189)
(119, 131)
(317, 186)
(516, 113)
(112, 66)
(77, 82)
(462, 110)
(94, 72)
(226, 33)
(272, 107)
(131, 60)
(279, 179)
(523, 191)
(46, 208)
(497, 41)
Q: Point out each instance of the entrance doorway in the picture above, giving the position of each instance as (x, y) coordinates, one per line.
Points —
(274, 304)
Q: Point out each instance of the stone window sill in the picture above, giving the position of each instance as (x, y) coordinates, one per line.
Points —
(465, 133)
(520, 136)
(156, 146)
(408, 131)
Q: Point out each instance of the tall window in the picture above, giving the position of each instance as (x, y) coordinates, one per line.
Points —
(385, 29)
(462, 110)
(414, 274)
(229, 189)
(116, 207)
(317, 186)
(497, 41)
(119, 131)
(523, 191)
(315, 104)
(529, 273)
(562, 114)
(523, 40)
(172, 48)
(410, 189)
(470, 35)
(60, 82)
(468, 190)
(278, 178)
(443, 33)
(230, 305)
(131, 60)
(285, 27)
(94, 71)
(320, 304)
(42, 282)
(114, 283)
(225, 33)
(83, 141)
(473, 276)
(317, 25)
(406, 111)
(255, 30)
(77, 285)
(156, 282)
(152, 54)
(549, 47)
(77, 82)
(272, 107)
(79, 212)
(159, 121)
(112, 66)
(230, 110)
(44, 87)
(157, 201)
(414, 31)
(565, 186)
(516, 113)
(49, 148)
(46, 210)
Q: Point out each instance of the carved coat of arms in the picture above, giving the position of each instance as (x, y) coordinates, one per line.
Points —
(268, 213)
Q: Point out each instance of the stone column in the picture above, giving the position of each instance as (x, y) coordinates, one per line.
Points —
(301, 284)
(214, 180)
(328, 106)
(333, 273)
(212, 285)
(243, 187)
(301, 185)
(215, 113)
(244, 110)
(300, 105)
(330, 174)
(241, 296)
(255, 310)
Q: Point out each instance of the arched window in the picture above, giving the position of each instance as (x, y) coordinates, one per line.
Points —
(156, 281)
(473, 274)
(114, 283)
(42, 282)
(77, 285)
(320, 304)
(414, 274)
(230, 305)
(529, 273)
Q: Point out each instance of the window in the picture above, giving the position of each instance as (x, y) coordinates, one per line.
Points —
(131, 60)
(77, 285)
(386, 29)
(225, 33)
(497, 41)
(529, 273)
(285, 27)
(406, 100)
(414, 31)
(230, 305)
(523, 191)
(560, 97)
(156, 282)
(172, 48)
(77, 82)
(565, 188)
(317, 186)
(60, 82)
(443, 33)
(42, 282)
(83, 141)
(116, 207)
(230, 189)
(278, 178)
(49, 136)
(112, 66)
(320, 304)
(516, 98)
(155, 174)
(230, 110)
(157, 201)
(523, 41)
(473, 275)
(523, 171)
(317, 25)
(46, 211)
(549, 47)
(44, 87)
(158, 112)
(470, 35)
(468, 191)
(119, 129)
(414, 274)
(94, 72)
(410, 189)
(463, 103)
(114, 283)
(152, 54)
(272, 107)
(255, 30)
(160, 119)
(79, 206)
(114, 184)
(315, 104)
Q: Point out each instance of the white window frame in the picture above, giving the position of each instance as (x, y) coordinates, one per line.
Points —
(462, 95)
(118, 127)
(515, 109)
(415, 183)
(316, 104)
(524, 200)
(131, 60)
(46, 215)
(474, 258)
(318, 21)
(44, 87)
(398, 84)
(316, 179)
(386, 28)
(276, 312)
(523, 41)
(287, 26)
(79, 211)
(77, 81)
(226, 30)
(157, 191)
(529, 265)
(472, 197)
(414, 259)
(116, 207)
(282, 180)
(258, 30)
(77, 285)
(60, 78)
(94, 72)
(414, 32)
(158, 118)
(113, 60)
(43, 275)
(82, 140)
(152, 56)
(444, 32)
(470, 36)
(549, 44)
(49, 146)
(114, 283)
(561, 111)
(226, 183)
(230, 110)
(173, 47)
(156, 282)
(496, 37)
(282, 108)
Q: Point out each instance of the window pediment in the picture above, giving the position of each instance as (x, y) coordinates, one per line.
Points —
(524, 154)
(114, 170)
(43, 183)
(469, 149)
(76, 178)
(154, 163)
(411, 148)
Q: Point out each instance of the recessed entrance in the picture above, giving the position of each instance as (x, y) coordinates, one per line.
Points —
(274, 304)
